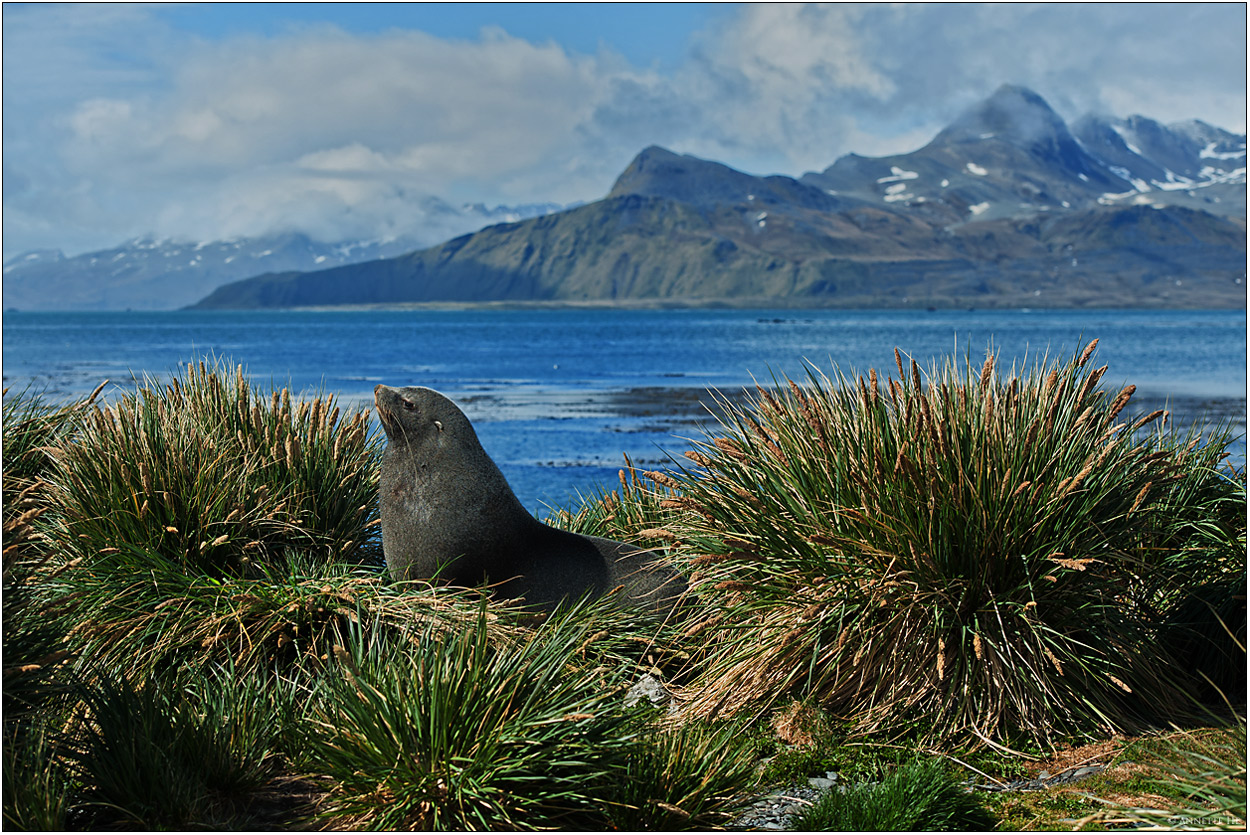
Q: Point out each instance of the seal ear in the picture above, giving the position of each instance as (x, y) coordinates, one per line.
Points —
(439, 424)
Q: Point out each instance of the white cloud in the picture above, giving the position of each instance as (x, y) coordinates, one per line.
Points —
(100, 121)
(249, 101)
(353, 158)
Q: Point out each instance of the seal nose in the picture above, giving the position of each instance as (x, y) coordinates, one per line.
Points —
(378, 389)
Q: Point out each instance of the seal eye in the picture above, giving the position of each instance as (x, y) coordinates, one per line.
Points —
(410, 406)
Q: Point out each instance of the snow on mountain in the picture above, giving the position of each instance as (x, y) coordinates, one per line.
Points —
(150, 273)
(1183, 160)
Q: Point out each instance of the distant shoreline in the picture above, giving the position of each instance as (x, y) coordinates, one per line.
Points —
(1005, 302)
(1021, 304)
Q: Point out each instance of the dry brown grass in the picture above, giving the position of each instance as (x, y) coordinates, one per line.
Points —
(799, 724)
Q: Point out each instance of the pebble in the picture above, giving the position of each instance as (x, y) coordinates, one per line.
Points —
(648, 687)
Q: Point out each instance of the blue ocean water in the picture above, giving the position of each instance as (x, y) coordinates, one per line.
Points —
(558, 395)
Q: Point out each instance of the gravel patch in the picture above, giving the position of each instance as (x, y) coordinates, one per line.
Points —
(773, 810)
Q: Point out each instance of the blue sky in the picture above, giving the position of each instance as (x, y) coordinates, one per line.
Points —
(342, 121)
(645, 33)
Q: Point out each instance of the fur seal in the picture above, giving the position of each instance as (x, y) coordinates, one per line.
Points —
(449, 514)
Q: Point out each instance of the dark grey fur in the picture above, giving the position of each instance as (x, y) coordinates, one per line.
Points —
(449, 514)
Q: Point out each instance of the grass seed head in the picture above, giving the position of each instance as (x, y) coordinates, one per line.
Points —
(699, 458)
(731, 448)
(987, 372)
(662, 479)
(1086, 354)
(1141, 496)
(1121, 400)
(1142, 421)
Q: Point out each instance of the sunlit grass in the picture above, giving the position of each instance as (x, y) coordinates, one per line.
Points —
(456, 731)
(208, 472)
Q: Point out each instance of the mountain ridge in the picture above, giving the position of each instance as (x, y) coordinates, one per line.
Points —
(1006, 206)
(660, 250)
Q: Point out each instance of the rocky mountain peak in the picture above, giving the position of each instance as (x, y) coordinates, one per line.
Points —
(1013, 114)
(1216, 141)
(658, 172)
(1169, 158)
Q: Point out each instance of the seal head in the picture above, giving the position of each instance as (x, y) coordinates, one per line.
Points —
(449, 515)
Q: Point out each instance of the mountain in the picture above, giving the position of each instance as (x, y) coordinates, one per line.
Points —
(657, 172)
(148, 274)
(151, 274)
(1006, 206)
(633, 247)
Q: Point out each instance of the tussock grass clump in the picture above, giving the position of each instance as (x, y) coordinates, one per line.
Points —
(958, 553)
(181, 522)
(477, 729)
(459, 731)
(920, 796)
(208, 472)
(691, 776)
(164, 757)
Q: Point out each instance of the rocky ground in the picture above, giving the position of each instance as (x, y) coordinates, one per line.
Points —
(774, 810)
